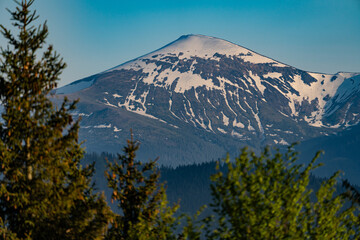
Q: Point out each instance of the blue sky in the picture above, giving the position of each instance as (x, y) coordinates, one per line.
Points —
(95, 35)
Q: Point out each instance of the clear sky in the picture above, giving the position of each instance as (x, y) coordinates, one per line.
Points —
(95, 35)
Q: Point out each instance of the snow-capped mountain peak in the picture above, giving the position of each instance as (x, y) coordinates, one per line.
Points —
(222, 88)
(196, 45)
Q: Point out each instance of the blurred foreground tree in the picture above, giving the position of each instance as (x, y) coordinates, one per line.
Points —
(352, 193)
(44, 191)
(267, 197)
(144, 210)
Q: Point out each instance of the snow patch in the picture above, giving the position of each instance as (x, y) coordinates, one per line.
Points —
(348, 87)
(258, 83)
(221, 130)
(108, 103)
(85, 115)
(281, 142)
(251, 128)
(103, 126)
(256, 58)
(238, 124)
(236, 134)
(225, 119)
(116, 95)
(272, 75)
(117, 129)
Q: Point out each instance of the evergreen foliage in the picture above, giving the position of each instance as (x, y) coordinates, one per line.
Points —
(145, 213)
(352, 193)
(267, 197)
(44, 191)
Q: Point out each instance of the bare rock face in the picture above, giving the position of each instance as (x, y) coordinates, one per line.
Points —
(199, 97)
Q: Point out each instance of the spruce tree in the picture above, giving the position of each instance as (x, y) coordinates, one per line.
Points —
(352, 192)
(44, 191)
(144, 210)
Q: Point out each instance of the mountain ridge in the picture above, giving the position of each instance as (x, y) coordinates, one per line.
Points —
(220, 90)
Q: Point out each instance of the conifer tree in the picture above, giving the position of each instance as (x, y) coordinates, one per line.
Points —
(44, 191)
(352, 193)
(267, 197)
(144, 210)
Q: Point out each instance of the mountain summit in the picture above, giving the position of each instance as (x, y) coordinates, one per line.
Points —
(204, 47)
(202, 95)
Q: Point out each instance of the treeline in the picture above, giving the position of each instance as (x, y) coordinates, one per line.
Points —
(48, 191)
(188, 185)
(253, 197)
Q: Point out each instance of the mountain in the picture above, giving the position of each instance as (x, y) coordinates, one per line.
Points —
(199, 97)
(341, 152)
